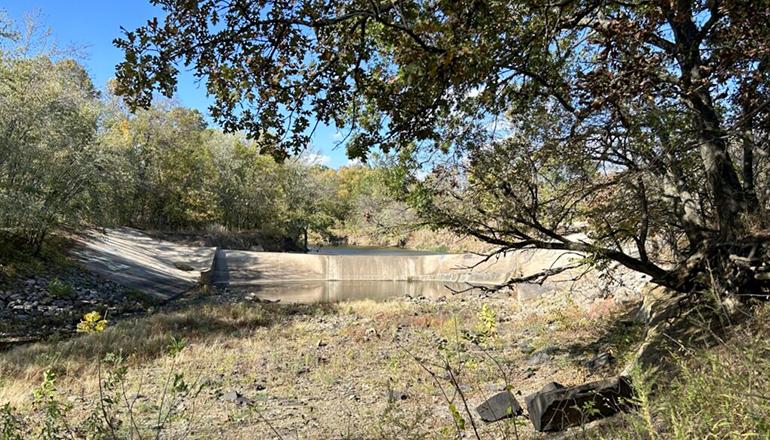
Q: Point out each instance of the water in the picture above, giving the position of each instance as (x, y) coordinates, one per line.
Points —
(370, 251)
(310, 292)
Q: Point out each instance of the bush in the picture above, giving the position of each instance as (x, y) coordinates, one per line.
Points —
(59, 289)
(110, 414)
(92, 323)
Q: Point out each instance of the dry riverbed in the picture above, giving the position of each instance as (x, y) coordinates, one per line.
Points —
(351, 370)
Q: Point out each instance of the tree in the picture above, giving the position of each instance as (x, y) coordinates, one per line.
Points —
(168, 172)
(623, 116)
(373, 211)
(48, 158)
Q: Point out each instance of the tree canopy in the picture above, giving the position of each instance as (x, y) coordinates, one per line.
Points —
(73, 157)
(624, 116)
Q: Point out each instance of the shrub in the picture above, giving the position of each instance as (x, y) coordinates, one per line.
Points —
(92, 323)
(59, 289)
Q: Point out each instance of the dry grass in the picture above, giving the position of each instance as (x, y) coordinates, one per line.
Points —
(326, 370)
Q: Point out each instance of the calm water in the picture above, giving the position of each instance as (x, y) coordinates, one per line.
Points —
(364, 251)
(340, 291)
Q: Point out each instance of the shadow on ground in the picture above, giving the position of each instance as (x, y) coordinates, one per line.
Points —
(141, 339)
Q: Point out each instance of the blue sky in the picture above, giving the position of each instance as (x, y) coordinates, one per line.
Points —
(93, 24)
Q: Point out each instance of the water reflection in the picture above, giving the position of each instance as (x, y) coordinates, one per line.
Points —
(362, 250)
(339, 291)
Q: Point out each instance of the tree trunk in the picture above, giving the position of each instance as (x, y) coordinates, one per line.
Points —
(721, 178)
(749, 189)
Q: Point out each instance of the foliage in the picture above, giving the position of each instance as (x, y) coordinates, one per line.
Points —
(487, 321)
(54, 411)
(458, 418)
(71, 157)
(174, 173)
(59, 289)
(48, 160)
(112, 415)
(718, 391)
(10, 424)
(92, 322)
(530, 120)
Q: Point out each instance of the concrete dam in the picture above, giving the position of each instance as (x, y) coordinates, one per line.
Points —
(167, 270)
(244, 268)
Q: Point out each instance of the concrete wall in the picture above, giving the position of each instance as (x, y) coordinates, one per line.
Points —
(244, 267)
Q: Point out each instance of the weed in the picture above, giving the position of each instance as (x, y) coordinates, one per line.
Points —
(59, 289)
(92, 322)
(11, 427)
(487, 324)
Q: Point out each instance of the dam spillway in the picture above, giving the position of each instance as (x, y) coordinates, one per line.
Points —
(167, 270)
(243, 268)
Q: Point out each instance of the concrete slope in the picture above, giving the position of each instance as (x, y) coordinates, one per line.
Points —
(138, 261)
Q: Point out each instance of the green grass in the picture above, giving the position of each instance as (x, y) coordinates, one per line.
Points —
(719, 392)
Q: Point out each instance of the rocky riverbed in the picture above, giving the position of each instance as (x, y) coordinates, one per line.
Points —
(52, 303)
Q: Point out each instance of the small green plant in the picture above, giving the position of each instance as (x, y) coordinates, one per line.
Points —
(486, 327)
(92, 322)
(458, 418)
(11, 427)
(588, 411)
(55, 412)
(175, 346)
(59, 289)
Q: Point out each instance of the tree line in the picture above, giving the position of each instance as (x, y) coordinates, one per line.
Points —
(72, 156)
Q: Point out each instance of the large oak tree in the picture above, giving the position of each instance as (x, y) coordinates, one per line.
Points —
(643, 121)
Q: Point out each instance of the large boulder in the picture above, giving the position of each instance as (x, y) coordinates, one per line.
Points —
(556, 408)
(500, 406)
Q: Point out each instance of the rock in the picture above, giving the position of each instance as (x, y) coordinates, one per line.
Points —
(541, 356)
(237, 398)
(600, 361)
(321, 343)
(551, 386)
(498, 407)
(184, 266)
(494, 387)
(526, 347)
(556, 409)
